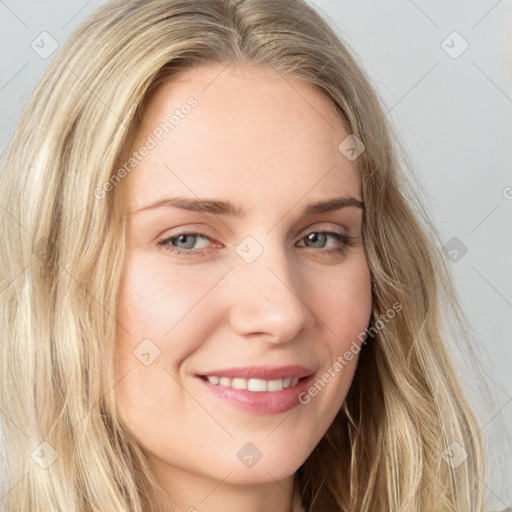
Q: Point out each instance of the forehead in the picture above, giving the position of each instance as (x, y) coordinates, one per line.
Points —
(239, 132)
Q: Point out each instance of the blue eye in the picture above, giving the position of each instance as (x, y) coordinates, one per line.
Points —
(187, 240)
(320, 238)
(183, 244)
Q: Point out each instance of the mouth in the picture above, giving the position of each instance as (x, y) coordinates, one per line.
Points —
(257, 396)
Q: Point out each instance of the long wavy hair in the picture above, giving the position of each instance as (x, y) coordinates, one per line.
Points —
(405, 420)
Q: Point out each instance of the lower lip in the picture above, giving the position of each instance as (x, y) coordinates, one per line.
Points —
(260, 402)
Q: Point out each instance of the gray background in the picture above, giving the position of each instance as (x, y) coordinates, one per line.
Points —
(453, 112)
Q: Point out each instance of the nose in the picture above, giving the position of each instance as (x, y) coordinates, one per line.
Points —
(265, 299)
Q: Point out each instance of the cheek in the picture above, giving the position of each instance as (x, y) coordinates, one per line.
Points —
(163, 317)
(155, 302)
(346, 303)
(345, 312)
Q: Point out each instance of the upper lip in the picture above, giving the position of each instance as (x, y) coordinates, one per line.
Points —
(262, 372)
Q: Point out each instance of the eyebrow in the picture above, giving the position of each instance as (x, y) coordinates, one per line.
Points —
(218, 207)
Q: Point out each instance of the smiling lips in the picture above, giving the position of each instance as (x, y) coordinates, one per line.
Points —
(258, 378)
(260, 389)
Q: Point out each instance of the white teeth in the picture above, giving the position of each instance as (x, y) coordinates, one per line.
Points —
(256, 385)
(275, 385)
(237, 383)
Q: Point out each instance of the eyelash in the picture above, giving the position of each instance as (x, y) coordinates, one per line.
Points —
(347, 241)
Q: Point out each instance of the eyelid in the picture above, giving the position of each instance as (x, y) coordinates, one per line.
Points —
(200, 230)
(320, 226)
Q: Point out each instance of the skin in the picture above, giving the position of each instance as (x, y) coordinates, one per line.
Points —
(269, 145)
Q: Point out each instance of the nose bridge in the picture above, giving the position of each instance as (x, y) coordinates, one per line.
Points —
(266, 289)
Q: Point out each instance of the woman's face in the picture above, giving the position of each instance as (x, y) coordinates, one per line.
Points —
(269, 285)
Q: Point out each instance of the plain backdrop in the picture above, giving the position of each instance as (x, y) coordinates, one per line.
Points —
(443, 71)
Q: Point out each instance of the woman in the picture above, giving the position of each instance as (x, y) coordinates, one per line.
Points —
(296, 359)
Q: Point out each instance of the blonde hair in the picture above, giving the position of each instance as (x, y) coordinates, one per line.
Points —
(63, 249)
